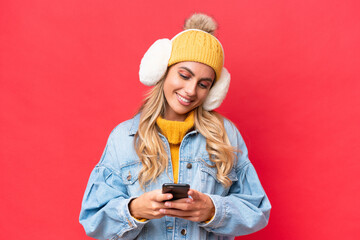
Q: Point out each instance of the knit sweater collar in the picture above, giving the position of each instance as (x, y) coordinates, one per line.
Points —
(175, 131)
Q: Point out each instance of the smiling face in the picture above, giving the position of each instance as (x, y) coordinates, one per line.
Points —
(186, 87)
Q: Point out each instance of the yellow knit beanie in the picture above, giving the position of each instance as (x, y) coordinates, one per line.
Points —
(197, 46)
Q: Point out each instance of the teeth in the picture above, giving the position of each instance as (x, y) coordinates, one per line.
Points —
(183, 99)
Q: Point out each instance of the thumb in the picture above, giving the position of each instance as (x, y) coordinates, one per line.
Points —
(195, 195)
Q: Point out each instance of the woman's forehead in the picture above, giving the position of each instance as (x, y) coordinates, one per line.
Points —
(196, 68)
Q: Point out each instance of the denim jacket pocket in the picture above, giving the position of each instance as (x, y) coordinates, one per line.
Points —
(232, 175)
(209, 182)
(129, 176)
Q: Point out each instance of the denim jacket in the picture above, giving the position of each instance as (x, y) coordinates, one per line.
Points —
(240, 209)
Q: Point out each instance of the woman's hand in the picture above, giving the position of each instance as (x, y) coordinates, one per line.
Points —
(199, 208)
(148, 205)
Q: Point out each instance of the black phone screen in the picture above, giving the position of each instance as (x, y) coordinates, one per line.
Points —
(178, 190)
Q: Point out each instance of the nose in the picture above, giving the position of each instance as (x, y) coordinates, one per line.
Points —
(190, 88)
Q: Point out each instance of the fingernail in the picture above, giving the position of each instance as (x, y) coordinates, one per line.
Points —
(162, 211)
(167, 204)
(169, 196)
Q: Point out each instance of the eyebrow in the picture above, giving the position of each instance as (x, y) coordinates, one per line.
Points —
(203, 79)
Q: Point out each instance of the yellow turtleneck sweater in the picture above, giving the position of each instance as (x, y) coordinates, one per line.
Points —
(175, 131)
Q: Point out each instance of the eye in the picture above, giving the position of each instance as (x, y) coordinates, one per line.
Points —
(184, 76)
(203, 85)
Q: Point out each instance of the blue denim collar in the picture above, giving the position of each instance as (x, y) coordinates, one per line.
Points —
(134, 124)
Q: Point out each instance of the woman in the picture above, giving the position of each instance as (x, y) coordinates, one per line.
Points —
(177, 138)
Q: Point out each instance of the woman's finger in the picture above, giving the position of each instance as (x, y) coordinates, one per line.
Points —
(163, 197)
(194, 216)
(195, 194)
(183, 205)
(175, 212)
(158, 196)
(190, 218)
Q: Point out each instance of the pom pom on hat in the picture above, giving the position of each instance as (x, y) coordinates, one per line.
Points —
(202, 22)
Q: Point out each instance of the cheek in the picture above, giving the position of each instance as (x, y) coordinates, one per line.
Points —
(172, 83)
(169, 88)
(203, 94)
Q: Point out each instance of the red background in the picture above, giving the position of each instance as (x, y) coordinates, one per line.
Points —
(69, 75)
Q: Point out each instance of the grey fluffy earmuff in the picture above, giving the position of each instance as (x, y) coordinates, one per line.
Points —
(154, 64)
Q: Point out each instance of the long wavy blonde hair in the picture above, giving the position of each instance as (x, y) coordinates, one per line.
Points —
(151, 149)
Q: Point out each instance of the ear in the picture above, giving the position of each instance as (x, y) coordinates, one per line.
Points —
(218, 91)
(155, 61)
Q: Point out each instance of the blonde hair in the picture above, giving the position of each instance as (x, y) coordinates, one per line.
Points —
(151, 149)
(148, 144)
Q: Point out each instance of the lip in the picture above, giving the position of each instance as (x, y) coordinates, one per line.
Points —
(179, 96)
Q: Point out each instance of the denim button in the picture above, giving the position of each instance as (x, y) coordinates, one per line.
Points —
(183, 232)
(189, 165)
(129, 177)
(170, 228)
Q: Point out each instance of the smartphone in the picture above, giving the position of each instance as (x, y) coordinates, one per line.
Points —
(178, 190)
